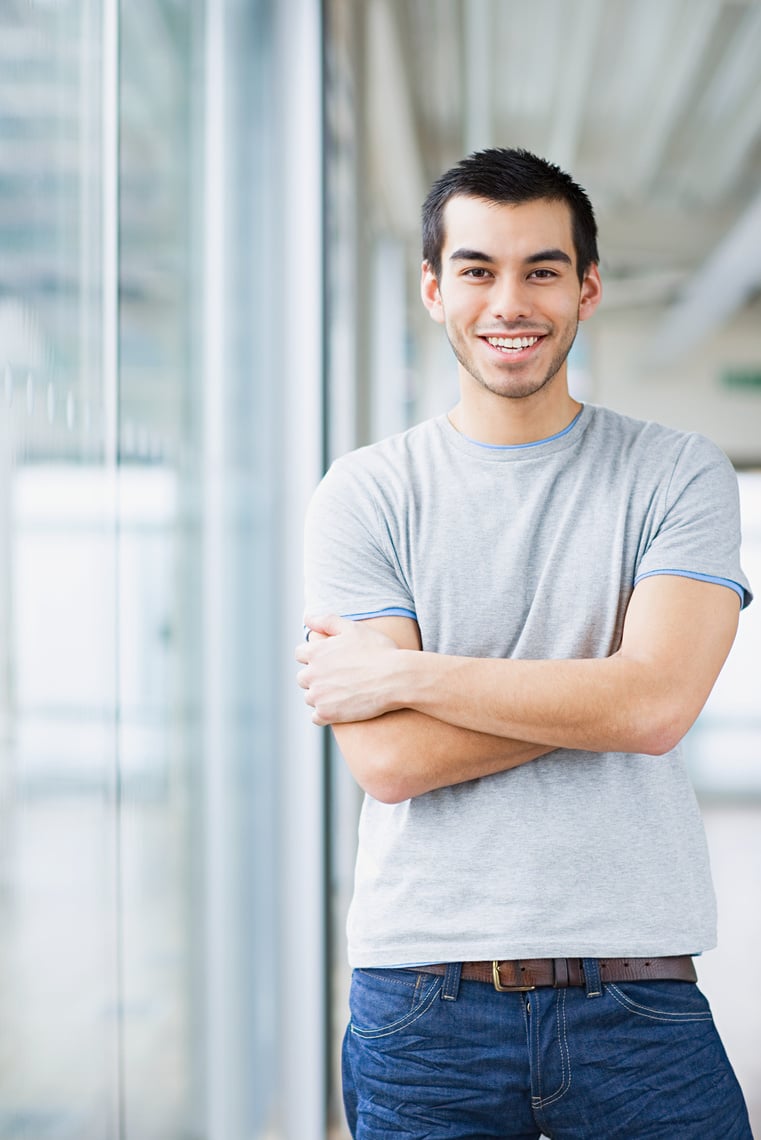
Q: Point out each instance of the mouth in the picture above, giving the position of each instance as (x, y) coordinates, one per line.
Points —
(513, 346)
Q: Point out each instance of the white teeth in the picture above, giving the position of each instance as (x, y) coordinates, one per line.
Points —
(514, 343)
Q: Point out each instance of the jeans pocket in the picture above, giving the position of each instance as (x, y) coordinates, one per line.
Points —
(386, 1001)
(671, 1002)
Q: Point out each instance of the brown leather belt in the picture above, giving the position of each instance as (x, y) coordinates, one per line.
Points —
(528, 973)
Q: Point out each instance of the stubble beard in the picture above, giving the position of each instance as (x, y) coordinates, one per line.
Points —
(515, 388)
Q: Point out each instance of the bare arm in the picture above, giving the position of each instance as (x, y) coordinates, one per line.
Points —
(404, 753)
(644, 698)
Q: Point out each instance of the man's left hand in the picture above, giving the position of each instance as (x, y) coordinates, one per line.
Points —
(347, 671)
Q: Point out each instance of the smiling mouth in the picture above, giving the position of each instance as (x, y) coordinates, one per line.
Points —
(512, 343)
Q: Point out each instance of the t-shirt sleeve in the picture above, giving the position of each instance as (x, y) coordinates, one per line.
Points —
(350, 565)
(697, 534)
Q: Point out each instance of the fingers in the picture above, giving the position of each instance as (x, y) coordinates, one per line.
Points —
(311, 700)
(320, 629)
(303, 655)
(328, 624)
(303, 681)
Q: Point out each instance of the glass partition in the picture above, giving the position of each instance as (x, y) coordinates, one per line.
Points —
(59, 833)
(145, 624)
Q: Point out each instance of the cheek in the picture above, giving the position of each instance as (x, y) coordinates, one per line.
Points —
(461, 312)
(570, 311)
(456, 325)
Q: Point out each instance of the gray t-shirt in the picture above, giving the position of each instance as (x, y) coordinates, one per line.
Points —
(528, 552)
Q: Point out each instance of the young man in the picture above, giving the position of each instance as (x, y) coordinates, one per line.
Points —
(537, 597)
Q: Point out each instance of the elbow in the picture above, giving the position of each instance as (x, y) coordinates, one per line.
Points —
(379, 760)
(660, 730)
(659, 743)
(387, 794)
(384, 776)
(386, 783)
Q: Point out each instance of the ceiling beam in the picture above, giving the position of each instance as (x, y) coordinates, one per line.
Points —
(734, 142)
(693, 33)
(728, 114)
(583, 29)
(731, 274)
(480, 28)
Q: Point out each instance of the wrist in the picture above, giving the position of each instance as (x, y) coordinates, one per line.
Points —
(408, 679)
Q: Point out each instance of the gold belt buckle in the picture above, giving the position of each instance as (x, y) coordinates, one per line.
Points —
(506, 989)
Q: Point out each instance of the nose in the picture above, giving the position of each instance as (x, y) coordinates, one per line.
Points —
(510, 299)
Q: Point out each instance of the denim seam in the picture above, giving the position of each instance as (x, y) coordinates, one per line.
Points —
(403, 1022)
(565, 1056)
(537, 1050)
(382, 975)
(654, 1014)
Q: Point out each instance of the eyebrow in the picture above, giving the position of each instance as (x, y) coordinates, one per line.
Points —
(464, 254)
(549, 255)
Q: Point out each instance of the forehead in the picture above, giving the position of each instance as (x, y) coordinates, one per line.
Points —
(504, 230)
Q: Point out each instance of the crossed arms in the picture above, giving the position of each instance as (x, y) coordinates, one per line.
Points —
(408, 721)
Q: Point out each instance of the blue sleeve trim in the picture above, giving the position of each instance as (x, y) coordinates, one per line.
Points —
(392, 611)
(738, 589)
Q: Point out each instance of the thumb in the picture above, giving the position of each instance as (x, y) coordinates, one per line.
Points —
(329, 625)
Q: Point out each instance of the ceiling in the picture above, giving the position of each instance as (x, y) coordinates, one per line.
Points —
(653, 105)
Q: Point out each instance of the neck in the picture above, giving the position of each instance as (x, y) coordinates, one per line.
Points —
(504, 421)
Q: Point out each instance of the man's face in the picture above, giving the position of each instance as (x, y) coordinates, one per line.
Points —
(509, 294)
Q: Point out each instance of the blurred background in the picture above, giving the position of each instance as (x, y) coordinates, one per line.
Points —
(209, 256)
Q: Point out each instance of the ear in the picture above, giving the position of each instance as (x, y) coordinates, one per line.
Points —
(591, 292)
(429, 291)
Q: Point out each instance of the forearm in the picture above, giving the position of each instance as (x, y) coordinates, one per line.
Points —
(405, 753)
(611, 704)
(641, 699)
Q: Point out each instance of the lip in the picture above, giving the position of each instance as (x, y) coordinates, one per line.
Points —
(513, 355)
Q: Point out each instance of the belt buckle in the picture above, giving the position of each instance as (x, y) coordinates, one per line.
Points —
(506, 989)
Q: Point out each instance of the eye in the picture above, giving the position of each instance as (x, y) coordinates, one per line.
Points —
(477, 273)
(543, 274)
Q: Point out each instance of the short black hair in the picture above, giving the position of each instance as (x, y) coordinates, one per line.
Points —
(509, 176)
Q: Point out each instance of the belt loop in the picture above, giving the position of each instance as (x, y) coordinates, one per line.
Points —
(591, 968)
(451, 987)
(560, 969)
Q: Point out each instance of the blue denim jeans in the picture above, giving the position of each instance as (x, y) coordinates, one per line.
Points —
(433, 1057)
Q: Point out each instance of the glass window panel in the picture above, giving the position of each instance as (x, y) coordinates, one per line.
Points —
(198, 495)
(139, 562)
(58, 961)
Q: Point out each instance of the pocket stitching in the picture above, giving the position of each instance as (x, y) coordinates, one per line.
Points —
(408, 1019)
(640, 1010)
(382, 975)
